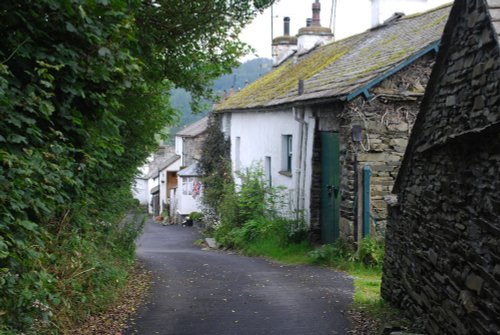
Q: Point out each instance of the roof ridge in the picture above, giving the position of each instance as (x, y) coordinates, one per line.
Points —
(192, 126)
(405, 17)
(414, 15)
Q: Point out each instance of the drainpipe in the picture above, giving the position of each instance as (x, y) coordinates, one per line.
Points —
(356, 195)
(303, 134)
(159, 192)
(183, 152)
(367, 172)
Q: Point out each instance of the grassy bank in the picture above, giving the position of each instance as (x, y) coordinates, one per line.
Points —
(81, 268)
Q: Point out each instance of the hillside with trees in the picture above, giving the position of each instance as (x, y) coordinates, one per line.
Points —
(240, 76)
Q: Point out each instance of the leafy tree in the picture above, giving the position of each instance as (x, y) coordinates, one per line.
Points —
(207, 32)
(83, 89)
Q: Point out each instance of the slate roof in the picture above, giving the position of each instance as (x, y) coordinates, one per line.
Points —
(194, 129)
(346, 68)
(191, 171)
(418, 128)
(169, 161)
(495, 15)
(159, 164)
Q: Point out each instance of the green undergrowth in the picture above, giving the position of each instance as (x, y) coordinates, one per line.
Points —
(293, 253)
(79, 267)
(92, 268)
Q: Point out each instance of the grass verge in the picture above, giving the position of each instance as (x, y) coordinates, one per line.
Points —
(295, 253)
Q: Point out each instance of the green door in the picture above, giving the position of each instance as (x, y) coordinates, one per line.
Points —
(330, 186)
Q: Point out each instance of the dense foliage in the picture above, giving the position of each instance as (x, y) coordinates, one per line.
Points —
(369, 253)
(215, 165)
(82, 92)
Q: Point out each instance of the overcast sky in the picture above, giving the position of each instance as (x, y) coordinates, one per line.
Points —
(352, 16)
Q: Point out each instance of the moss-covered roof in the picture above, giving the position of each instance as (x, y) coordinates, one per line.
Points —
(285, 40)
(315, 30)
(338, 69)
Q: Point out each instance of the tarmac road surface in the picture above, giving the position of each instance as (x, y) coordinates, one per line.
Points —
(209, 292)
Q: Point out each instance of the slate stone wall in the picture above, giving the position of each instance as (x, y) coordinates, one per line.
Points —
(386, 123)
(192, 148)
(442, 261)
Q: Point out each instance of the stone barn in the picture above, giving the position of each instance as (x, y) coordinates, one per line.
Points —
(442, 259)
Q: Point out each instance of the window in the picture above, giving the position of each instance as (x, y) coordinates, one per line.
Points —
(187, 185)
(267, 170)
(286, 165)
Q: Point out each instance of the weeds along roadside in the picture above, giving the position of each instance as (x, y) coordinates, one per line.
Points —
(78, 268)
(94, 268)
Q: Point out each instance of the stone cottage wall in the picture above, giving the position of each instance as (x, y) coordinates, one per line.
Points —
(442, 259)
(443, 247)
(192, 149)
(386, 121)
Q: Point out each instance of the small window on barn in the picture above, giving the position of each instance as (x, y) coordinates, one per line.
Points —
(286, 161)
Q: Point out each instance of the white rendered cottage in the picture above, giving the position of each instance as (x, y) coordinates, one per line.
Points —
(323, 113)
(188, 193)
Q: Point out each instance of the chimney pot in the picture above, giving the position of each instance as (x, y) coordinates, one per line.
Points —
(309, 22)
(316, 8)
(286, 26)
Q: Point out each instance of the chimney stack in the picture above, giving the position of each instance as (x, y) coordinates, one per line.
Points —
(313, 34)
(285, 45)
(286, 26)
(375, 13)
(316, 7)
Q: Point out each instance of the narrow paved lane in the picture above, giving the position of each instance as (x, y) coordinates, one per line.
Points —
(198, 292)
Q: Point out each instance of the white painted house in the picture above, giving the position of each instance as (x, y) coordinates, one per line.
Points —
(189, 192)
(328, 107)
(155, 178)
(189, 189)
(167, 174)
(276, 142)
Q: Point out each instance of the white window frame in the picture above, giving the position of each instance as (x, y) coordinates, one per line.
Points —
(187, 185)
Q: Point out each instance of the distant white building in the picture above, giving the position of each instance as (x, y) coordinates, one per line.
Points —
(156, 178)
(188, 144)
